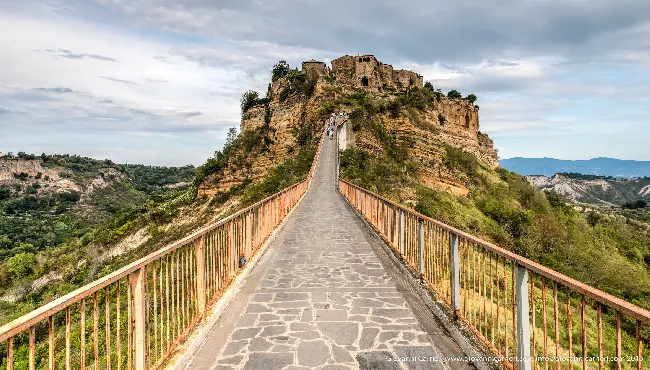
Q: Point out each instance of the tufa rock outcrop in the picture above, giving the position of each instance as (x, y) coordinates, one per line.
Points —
(280, 115)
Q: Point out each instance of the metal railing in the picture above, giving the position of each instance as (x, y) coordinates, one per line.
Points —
(136, 317)
(522, 311)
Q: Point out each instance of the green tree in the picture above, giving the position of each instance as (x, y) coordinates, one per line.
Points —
(280, 70)
(248, 100)
(231, 137)
(453, 94)
(21, 265)
(471, 98)
(428, 85)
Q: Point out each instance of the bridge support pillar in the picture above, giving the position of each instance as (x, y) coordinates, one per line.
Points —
(455, 274)
(421, 245)
(523, 320)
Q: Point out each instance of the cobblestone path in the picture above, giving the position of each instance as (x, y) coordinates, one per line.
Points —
(320, 299)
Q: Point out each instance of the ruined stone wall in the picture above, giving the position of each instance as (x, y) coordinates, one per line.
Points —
(407, 78)
(314, 68)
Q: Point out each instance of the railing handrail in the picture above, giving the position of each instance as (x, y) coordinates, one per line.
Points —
(18, 325)
(600, 296)
(39, 314)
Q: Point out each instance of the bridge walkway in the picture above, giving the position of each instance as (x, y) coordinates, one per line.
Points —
(323, 296)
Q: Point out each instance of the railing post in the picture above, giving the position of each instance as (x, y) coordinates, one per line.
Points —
(199, 253)
(455, 274)
(360, 201)
(400, 233)
(138, 280)
(421, 244)
(523, 320)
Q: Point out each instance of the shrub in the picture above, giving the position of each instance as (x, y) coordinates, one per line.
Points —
(635, 205)
(248, 100)
(453, 94)
(471, 98)
(280, 70)
(21, 265)
(441, 118)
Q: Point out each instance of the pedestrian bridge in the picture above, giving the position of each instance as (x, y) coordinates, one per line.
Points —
(327, 275)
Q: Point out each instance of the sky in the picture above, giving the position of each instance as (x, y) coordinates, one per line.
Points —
(158, 81)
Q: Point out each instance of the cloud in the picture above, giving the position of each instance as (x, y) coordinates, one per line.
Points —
(58, 90)
(118, 80)
(70, 55)
(548, 74)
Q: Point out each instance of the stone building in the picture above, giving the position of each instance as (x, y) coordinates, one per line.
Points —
(314, 67)
(367, 71)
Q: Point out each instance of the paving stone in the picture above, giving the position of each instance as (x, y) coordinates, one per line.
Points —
(265, 361)
(331, 315)
(301, 326)
(269, 331)
(259, 345)
(245, 333)
(313, 353)
(342, 333)
(367, 340)
(235, 347)
(279, 297)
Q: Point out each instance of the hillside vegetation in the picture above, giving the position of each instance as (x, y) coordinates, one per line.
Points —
(597, 190)
(67, 220)
(500, 206)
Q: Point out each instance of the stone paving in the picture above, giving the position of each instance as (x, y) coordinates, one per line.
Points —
(320, 299)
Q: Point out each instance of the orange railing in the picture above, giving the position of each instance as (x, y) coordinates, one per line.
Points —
(525, 313)
(137, 316)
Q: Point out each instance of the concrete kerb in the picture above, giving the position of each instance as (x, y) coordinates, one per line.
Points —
(462, 335)
(197, 340)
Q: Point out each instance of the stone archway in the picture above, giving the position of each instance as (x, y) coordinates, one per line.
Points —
(364, 81)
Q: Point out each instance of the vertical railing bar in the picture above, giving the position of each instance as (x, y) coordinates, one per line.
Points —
(107, 315)
(82, 333)
(618, 341)
(523, 319)
(32, 347)
(167, 312)
(455, 274)
(557, 326)
(96, 329)
(584, 331)
(599, 314)
(534, 323)
(569, 326)
(51, 342)
(118, 325)
(10, 353)
(514, 310)
(491, 299)
(545, 331)
(498, 306)
(155, 313)
(138, 284)
(129, 327)
(639, 346)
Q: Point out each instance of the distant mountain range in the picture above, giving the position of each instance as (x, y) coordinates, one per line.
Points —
(601, 166)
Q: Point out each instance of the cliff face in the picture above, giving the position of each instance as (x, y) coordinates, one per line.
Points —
(285, 118)
(452, 122)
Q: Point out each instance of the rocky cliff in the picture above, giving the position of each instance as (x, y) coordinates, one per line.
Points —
(596, 190)
(290, 110)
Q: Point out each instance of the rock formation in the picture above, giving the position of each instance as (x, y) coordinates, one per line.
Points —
(453, 122)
